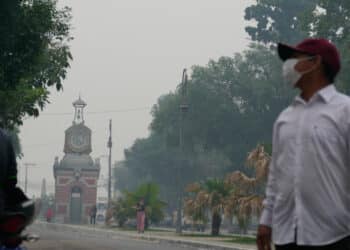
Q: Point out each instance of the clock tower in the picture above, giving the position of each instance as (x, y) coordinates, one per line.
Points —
(77, 173)
(78, 136)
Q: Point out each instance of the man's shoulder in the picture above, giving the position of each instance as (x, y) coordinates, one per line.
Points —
(340, 103)
(285, 113)
(341, 98)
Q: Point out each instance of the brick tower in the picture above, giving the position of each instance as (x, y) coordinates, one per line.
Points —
(76, 174)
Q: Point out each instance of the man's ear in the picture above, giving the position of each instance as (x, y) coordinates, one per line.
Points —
(318, 61)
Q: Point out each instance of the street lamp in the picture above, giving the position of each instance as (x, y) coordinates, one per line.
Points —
(183, 110)
(109, 146)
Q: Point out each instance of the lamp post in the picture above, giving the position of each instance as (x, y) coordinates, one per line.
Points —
(183, 110)
(109, 145)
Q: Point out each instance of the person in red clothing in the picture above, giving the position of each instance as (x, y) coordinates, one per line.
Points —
(140, 216)
(49, 214)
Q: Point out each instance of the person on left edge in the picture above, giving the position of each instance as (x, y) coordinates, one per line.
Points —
(8, 173)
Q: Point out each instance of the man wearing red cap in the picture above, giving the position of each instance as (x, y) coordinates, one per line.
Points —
(307, 203)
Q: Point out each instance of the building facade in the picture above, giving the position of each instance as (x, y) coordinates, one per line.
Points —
(76, 174)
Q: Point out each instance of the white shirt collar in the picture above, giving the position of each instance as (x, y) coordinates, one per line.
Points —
(325, 93)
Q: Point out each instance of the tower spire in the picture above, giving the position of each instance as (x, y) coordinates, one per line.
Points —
(79, 106)
(43, 189)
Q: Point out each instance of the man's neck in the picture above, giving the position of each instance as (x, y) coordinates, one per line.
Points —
(309, 87)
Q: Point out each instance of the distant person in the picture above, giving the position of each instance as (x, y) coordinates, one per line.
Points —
(49, 214)
(93, 212)
(307, 203)
(140, 216)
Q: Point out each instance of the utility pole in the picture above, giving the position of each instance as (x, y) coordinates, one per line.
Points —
(114, 180)
(26, 165)
(109, 145)
(183, 110)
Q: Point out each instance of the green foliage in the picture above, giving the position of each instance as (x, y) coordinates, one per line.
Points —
(218, 190)
(210, 195)
(278, 20)
(125, 207)
(234, 100)
(331, 20)
(233, 104)
(34, 55)
(242, 240)
(154, 206)
(292, 21)
(122, 211)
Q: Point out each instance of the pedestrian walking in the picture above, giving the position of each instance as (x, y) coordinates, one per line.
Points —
(93, 212)
(307, 203)
(49, 214)
(140, 216)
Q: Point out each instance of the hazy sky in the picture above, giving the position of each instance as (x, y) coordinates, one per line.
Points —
(126, 54)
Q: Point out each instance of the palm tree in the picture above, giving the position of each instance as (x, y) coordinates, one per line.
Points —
(125, 207)
(210, 195)
(122, 211)
(247, 196)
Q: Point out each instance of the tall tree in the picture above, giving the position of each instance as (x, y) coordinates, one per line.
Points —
(331, 20)
(34, 55)
(278, 20)
(233, 104)
(292, 21)
(209, 195)
(125, 207)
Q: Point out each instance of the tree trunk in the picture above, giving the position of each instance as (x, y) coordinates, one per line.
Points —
(230, 224)
(146, 222)
(215, 224)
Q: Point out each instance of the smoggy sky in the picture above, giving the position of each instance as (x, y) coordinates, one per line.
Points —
(127, 53)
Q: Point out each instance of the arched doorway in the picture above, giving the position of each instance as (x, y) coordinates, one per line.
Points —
(75, 205)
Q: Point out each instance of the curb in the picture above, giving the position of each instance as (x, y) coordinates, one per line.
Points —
(110, 234)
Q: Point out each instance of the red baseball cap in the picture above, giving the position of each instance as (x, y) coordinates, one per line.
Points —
(314, 46)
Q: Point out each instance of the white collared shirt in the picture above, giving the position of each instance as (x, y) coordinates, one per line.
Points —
(308, 189)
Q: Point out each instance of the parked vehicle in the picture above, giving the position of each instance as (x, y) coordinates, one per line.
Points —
(12, 225)
(19, 213)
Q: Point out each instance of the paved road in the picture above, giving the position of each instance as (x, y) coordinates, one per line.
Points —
(63, 241)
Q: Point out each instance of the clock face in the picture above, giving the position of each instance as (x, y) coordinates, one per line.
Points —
(79, 140)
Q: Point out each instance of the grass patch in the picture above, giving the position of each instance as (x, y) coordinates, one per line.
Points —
(226, 238)
(127, 229)
(242, 240)
(159, 230)
(134, 229)
(203, 235)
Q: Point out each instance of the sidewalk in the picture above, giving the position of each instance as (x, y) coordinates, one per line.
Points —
(225, 241)
(202, 242)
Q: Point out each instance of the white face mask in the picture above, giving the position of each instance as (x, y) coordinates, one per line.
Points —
(290, 74)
